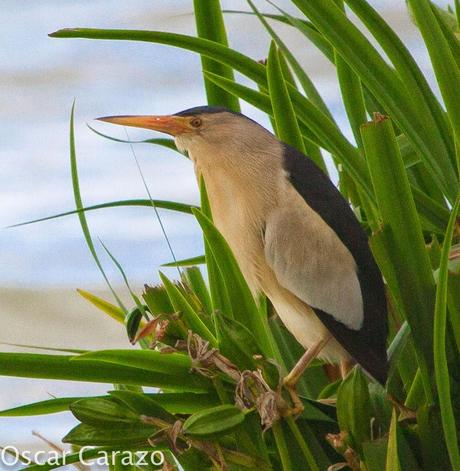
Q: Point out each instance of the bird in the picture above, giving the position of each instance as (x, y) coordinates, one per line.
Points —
(294, 236)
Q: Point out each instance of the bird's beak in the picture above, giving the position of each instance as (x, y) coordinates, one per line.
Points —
(169, 124)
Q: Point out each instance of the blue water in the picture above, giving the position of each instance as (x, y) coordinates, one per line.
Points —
(39, 78)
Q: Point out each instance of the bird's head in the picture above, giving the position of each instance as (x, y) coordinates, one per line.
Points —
(198, 128)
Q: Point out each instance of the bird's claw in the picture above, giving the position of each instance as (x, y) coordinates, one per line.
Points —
(297, 406)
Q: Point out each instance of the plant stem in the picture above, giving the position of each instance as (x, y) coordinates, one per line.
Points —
(282, 447)
(302, 444)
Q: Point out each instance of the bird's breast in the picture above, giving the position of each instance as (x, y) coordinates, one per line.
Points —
(238, 212)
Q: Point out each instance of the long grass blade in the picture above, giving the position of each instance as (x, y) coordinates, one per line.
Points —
(308, 29)
(416, 84)
(384, 83)
(288, 129)
(210, 25)
(134, 297)
(155, 209)
(215, 51)
(352, 94)
(304, 80)
(439, 346)
(164, 142)
(415, 283)
(243, 305)
(220, 297)
(444, 65)
(81, 214)
(170, 205)
(261, 100)
(62, 367)
(149, 360)
(306, 111)
(51, 406)
(325, 133)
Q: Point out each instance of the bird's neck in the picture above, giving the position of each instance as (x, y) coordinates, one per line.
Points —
(252, 164)
(242, 191)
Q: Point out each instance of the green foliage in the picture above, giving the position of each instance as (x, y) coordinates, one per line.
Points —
(216, 353)
(209, 423)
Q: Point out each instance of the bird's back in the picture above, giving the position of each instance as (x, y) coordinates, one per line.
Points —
(368, 344)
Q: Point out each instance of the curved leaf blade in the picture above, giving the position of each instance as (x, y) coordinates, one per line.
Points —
(210, 25)
(286, 121)
(440, 357)
(170, 205)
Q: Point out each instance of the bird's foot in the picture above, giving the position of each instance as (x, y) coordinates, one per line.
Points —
(297, 406)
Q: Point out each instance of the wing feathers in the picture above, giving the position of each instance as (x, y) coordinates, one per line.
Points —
(368, 344)
(311, 261)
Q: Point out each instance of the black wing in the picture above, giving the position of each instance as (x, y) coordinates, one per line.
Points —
(367, 346)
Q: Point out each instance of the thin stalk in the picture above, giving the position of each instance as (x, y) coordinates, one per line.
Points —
(282, 447)
(79, 205)
(302, 444)
(441, 369)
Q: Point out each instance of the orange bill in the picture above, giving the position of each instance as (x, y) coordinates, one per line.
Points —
(169, 124)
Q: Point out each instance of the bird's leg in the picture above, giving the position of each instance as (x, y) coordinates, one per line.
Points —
(345, 367)
(290, 381)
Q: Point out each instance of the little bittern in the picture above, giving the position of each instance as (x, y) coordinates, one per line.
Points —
(294, 236)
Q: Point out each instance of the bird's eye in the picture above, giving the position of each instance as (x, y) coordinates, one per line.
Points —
(195, 122)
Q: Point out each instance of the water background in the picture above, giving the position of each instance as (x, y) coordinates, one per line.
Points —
(39, 79)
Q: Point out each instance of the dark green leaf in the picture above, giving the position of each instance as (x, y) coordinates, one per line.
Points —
(406, 66)
(384, 83)
(236, 342)
(443, 62)
(28, 365)
(189, 315)
(149, 360)
(399, 455)
(143, 404)
(213, 422)
(410, 263)
(354, 408)
(307, 85)
(185, 403)
(132, 322)
(220, 298)
(196, 282)
(157, 300)
(102, 412)
(375, 453)
(119, 435)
